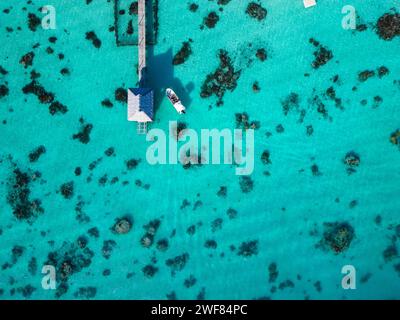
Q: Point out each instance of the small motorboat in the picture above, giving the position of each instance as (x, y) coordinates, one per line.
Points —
(176, 102)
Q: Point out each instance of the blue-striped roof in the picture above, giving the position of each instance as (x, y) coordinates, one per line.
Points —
(146, 100)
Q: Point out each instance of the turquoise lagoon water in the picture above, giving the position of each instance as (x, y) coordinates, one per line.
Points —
(286, 211)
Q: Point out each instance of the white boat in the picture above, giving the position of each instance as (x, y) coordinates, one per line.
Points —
(309, 3)
(176, 102)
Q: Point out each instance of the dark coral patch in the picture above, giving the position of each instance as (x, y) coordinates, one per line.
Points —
(37, 153)
(222, 192)
(3, 91)
(315, 170)
(183, 54)
(133, 8)
(309, 130)
(337, 236)
(248, 248)
(27, 59)
(65, 72)
(33, 21)
(108, 247)
(351, 160)
(191, 230)
(211, 20)
(110, 152)
(388, 26)
(291, 103)
(256, 11)
(256, 87)
(193, 7)
(265, 157)
(395, 138)
(162, 244)
(122, 225)
(121, 95)
(32, 266)
(202, 294)
(149, 271)
(286, 284)
(390, 253)
(16, 253)
(26, 291)
(190, 282)
(365, 75)
(68, 260)
(107, 103)
(242, 121)
(383, 71)
(246, 184)
(3, 71)
(94, 232)
(67, 189)
(322, 54)
(38, 90)
(18, 197)
(210, 244)
(232, 213)
(57, 108)
(151, 230)
(132, 163)
(224, 78)
(261, 54)
(91, 35)
(84, 134)
(273, 272)
(216, 224)
(177, 263)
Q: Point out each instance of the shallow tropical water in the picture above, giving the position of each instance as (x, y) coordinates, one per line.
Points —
(284, 215)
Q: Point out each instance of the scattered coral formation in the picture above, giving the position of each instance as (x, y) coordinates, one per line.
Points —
(243, 122)
(27, 59)
(224, 78)
(388, 26)
(246, 184)
(18, 196)
(177, 263)
(248, 249)
(395, 137)
(121, 95)
(67, 189)
(91, 36)
(211, 20)
(151, 228)
(33, 21)
(351, 160)
(273, 272)
(322, 54)
(122, 225)
(37, 153)
(71, 258)
(337, 236)
(84, 134)
(183, 54)
(256, 11)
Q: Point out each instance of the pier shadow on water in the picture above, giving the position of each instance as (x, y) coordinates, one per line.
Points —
(159, 75)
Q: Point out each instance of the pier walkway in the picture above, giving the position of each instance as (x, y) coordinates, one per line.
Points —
(142, 37)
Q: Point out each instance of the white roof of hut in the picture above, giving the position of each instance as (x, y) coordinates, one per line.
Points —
(140, 105)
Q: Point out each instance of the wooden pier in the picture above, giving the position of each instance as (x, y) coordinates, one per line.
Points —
(142, 37)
